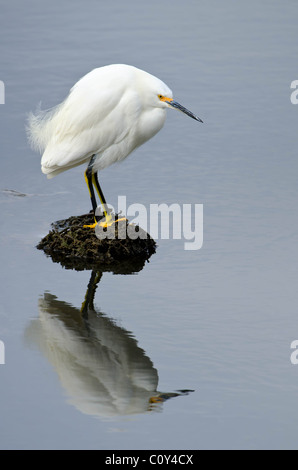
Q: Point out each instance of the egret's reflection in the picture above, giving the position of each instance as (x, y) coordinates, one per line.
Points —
(100, 365)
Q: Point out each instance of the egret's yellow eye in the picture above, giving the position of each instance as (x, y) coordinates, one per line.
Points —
(165, 99)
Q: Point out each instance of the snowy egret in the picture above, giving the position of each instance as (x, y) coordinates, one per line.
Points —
(108, 113)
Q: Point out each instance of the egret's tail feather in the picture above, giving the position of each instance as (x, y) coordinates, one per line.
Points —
(40, 127)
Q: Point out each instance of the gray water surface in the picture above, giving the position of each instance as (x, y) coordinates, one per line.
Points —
(218, 321)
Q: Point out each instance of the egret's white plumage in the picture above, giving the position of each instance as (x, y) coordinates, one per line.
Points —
(108, 113)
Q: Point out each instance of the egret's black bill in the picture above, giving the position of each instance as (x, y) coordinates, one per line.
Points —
(176, 105)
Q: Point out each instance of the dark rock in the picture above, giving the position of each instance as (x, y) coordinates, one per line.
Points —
(121, 248)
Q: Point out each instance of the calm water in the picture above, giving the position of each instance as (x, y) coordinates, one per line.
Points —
(218, 321)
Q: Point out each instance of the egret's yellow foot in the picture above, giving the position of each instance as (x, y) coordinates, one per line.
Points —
(110, 221)
(90, 226)
(107, 222)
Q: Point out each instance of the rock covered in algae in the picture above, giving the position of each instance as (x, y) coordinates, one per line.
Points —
(77, 247)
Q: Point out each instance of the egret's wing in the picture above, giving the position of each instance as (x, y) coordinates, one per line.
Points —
(99, 112)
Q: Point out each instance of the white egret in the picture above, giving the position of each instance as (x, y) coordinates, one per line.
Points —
(108, 113)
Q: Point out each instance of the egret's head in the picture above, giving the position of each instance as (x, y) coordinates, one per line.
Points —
(157, 94)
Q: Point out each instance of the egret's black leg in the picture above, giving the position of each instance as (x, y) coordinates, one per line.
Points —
(100, 193)
(88, 179)
(109, 218)
(92, 179)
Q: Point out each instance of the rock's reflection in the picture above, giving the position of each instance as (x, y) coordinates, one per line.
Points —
(100, 365)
